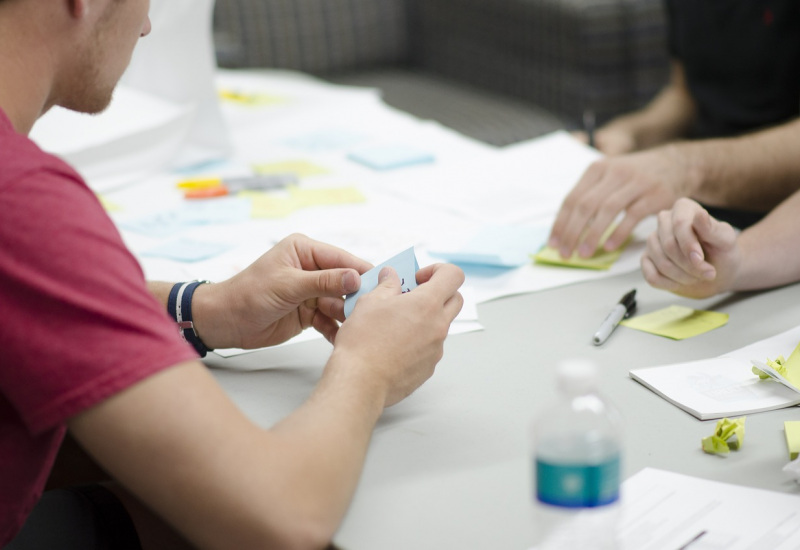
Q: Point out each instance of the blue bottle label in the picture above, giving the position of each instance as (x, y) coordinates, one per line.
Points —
(578, 485)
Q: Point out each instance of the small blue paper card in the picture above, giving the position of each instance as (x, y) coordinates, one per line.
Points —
(186, 250)
(498, 246)
(386, 157)
(406, 266)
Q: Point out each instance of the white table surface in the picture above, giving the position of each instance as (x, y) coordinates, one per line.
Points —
(449, 467)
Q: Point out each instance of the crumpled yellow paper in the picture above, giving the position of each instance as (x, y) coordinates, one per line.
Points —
(788, 368)
(728, 436)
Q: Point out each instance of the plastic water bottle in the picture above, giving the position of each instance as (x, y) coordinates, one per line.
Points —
(577, 445)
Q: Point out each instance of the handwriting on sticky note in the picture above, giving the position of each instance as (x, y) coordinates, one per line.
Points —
(728, 436)
(677, 322)
(406, 266)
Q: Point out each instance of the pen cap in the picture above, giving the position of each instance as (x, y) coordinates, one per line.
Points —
(576, 376)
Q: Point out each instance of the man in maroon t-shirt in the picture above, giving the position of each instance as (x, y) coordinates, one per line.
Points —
(89, 348)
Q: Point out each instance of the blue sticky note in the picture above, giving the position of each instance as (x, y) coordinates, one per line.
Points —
(325, 140)
(158, 225)
(201, 212)
(406, 266)
(186, 250)
(386, 157)
(498, 246)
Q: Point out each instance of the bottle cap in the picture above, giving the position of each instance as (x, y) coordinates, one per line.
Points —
(577, 376)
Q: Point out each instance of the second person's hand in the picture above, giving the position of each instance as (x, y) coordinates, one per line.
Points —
(638, 185)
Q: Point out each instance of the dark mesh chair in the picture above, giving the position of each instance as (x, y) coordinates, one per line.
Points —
(499, 71)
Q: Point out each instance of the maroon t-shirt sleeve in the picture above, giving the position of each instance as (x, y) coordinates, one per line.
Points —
(79, 324)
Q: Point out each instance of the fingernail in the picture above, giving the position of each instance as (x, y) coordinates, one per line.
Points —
(609, 245)
(384, 273)
(349, 282)
(552, 242)
(709, 274)
(584, 251)
(565, 253)
(695, 257)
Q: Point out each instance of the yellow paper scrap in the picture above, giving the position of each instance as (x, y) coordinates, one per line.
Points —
(326, 196)
(251, 99)
(300, 168)
(109, 206)
(792, 430)
(677, 322)
(728, 436)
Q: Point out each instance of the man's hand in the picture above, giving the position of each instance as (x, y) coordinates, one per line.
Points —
(610, 140)
(691, 253)
(396, 339)
(298, 284)
(638, 185)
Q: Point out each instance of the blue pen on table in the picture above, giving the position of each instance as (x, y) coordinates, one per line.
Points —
(588, 126)
(625, 308)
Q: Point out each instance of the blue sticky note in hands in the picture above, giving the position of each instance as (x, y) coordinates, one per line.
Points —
(386, 157)
(406, 266)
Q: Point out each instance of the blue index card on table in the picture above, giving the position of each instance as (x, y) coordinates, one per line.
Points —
(498, 246)
(406, 266)
(386, 157)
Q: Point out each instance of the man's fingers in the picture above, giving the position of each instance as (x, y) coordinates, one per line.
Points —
(332, 307)
(315, 255)
(571, 219)
(657, 245)
(325, 326)
(443, 279)
(329, 283)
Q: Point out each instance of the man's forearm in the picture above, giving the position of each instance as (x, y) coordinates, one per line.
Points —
(754, 172)
(667, 117)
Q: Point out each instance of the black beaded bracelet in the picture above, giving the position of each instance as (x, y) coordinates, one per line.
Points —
(179, 305)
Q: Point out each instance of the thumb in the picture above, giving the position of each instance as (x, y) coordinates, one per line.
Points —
(388, 281)
(712, 233)
(327, 282)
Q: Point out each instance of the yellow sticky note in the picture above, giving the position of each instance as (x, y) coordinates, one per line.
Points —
(677, 322)
(326, 196)
(300, 168)
(792, 430)
(251, 99)
(600, 260)
(269, 206)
